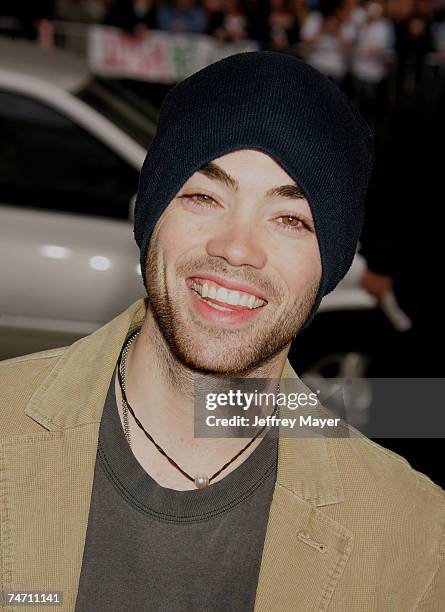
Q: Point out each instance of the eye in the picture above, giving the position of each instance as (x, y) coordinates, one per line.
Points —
(292, 223)
(198, 200)
(296, 224)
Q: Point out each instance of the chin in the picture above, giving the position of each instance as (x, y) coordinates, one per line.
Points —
(210, 363)
(219, 364)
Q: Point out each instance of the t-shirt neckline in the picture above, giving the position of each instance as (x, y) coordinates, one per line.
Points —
(148, 496)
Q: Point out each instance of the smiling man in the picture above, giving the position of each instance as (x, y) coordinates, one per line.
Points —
(249, 209)
(233, 268)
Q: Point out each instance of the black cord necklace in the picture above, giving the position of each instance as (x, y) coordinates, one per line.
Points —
(200, 480)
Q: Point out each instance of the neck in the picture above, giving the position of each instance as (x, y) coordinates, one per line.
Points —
(160, 389)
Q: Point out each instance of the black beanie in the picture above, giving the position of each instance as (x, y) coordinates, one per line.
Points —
(276, 103)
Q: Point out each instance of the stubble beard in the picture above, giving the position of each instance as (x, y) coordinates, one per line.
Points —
(208, 349)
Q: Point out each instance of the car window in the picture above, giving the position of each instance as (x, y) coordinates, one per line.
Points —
(49, 162)
(134, 114)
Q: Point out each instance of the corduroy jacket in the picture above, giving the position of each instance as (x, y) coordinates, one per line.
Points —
(352, 526)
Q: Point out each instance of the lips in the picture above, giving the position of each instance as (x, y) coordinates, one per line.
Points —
(211, 311)
(231, 285)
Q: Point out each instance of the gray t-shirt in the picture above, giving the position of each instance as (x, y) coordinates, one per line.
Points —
(150, 548)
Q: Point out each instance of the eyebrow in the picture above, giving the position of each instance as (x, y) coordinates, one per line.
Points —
(215, 172)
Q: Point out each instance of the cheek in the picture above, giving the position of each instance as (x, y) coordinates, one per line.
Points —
(302, 268)
(175, 242)
(171, 235)
(181, 233)
(175, 229)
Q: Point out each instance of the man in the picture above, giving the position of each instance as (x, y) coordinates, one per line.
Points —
(249, 208)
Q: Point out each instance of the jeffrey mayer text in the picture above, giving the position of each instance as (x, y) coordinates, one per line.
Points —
(271, 421)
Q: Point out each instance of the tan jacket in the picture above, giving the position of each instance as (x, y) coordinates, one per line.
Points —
(381, 522)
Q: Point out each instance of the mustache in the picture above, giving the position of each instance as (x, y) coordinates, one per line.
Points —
(243, 274)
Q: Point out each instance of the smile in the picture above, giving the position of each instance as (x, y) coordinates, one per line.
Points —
(223, 306)
(224, 299)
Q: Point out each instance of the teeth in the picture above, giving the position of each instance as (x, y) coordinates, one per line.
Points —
(222, 295)
(234, 298)
(218, 307)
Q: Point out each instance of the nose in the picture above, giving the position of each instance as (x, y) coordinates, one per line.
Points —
(238, 243)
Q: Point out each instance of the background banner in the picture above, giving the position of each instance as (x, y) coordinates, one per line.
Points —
(162, 57)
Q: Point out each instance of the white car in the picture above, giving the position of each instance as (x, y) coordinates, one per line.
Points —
(70, 153)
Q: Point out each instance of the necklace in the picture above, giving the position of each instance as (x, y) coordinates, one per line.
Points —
(200, 480)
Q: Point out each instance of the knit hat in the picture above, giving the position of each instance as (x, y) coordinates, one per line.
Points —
(276, 103)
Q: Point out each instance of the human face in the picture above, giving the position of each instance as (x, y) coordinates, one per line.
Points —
(230, 222)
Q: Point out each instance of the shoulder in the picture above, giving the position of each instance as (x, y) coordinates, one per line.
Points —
(401, 511)
(385, 495)
(387, 474)
(20, 377)
(16, 367)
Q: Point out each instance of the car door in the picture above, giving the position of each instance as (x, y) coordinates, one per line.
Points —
(69, 260)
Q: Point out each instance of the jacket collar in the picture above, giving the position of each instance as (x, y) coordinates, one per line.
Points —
(74, 393)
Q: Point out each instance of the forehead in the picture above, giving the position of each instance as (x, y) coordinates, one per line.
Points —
(248, 163)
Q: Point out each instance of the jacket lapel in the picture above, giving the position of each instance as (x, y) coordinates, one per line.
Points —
(303, 558)
(305, 551)
(49, 476)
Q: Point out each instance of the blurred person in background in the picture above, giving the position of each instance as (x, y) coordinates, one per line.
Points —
(84, 11)
(134, 16)
(439, 10)
(369, 62)
(301, 10)
(257, 13)
(413, 40)
(424, 14)
(213, 14)
(439, 27)
(401, 242)
(328, 39)
(181, 16)
(354, 13)
(229, 21)
(284, 27)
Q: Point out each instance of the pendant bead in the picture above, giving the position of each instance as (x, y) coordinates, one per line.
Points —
(201, 481)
